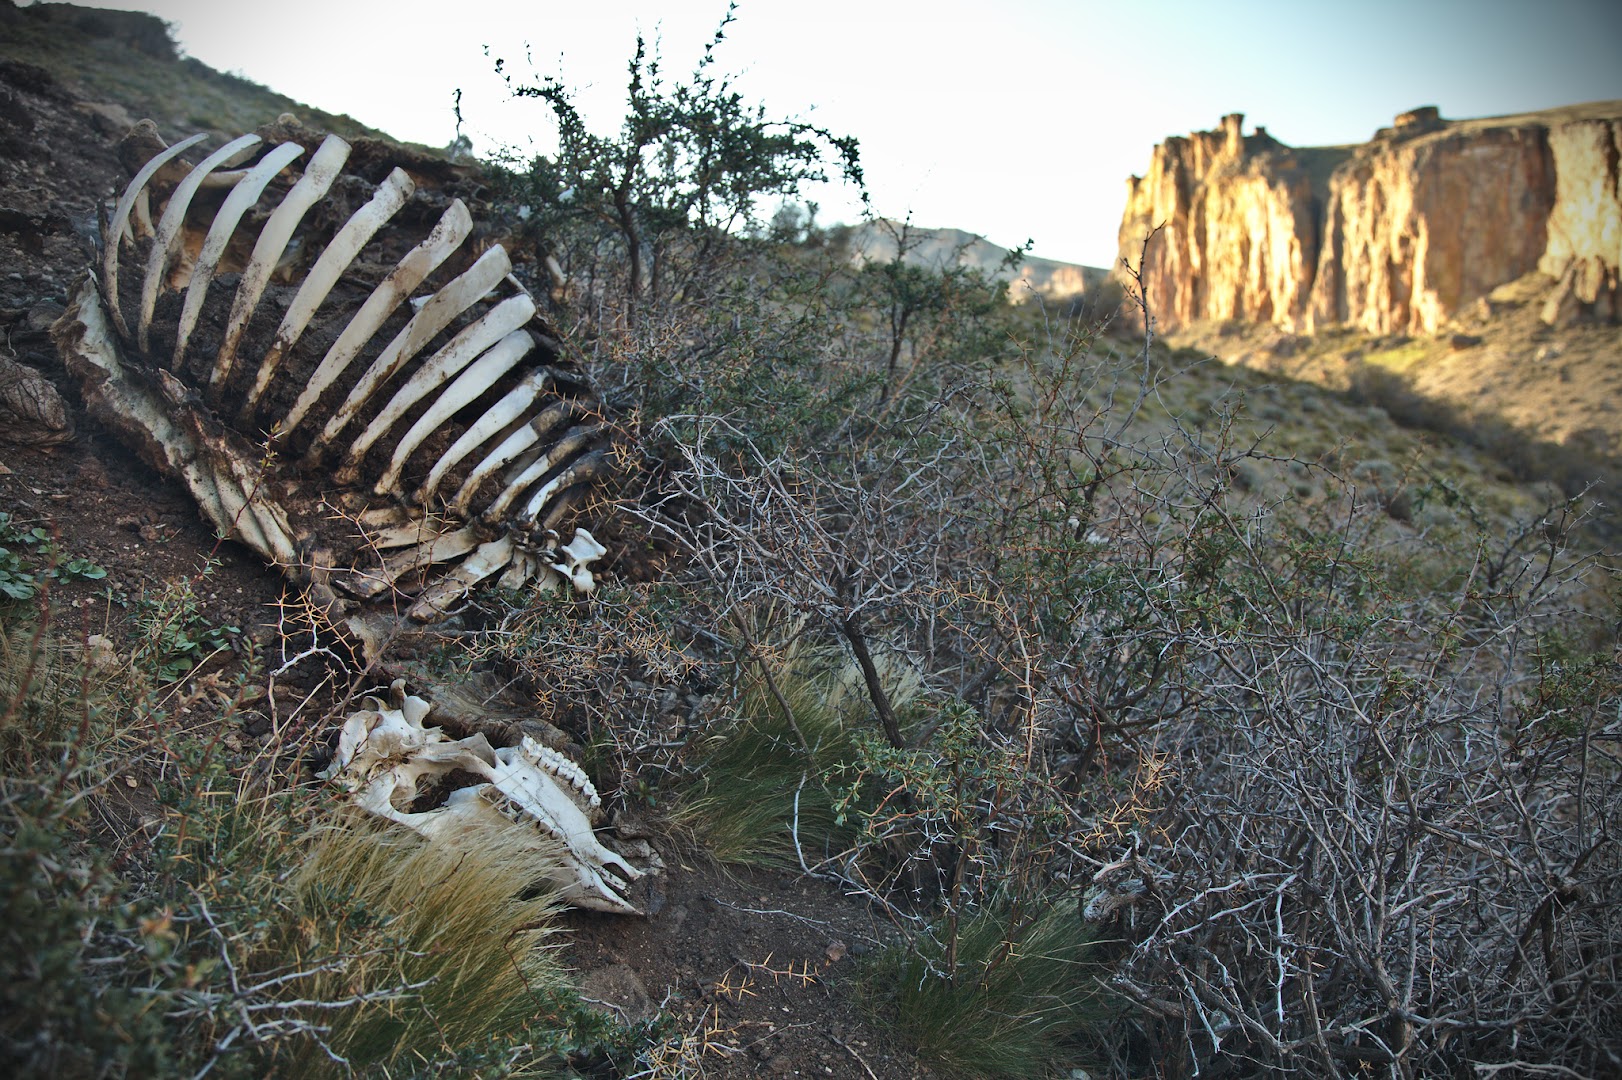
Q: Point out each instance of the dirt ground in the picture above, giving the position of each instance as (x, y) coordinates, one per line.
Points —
(754, 970)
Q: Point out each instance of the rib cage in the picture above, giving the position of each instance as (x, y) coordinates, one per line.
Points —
(367, 394)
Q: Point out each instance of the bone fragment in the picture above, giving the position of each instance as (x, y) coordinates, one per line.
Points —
(438, 599)
(523, 567)
(569, 445)
(440, 549)
(417, 530)
(529, 779)
(578, 554)
(222, 482)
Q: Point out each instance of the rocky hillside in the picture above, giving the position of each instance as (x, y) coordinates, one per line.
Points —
(1390, 237)
(877, 241)
(122, 65)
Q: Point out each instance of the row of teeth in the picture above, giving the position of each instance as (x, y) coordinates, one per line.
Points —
(544, 757)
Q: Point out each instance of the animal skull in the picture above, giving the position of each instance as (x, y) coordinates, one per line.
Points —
(385, 755)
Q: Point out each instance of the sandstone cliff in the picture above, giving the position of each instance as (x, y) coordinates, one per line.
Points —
(1397, 235)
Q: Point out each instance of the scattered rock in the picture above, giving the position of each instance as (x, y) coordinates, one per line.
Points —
(107, 117)
(1459, 342)
(31, 411)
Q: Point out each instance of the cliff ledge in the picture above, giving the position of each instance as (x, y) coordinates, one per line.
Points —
(1394, 236)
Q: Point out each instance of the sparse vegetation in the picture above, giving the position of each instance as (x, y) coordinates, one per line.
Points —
(28, 559)
(264, 930)
(1170, 719)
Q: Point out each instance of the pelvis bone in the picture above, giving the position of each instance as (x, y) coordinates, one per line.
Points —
(344, 380)
(389, 760)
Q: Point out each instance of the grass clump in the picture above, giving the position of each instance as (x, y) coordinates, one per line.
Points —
(230, 927)
(436, 951)
(760, 796)
(1011, 994)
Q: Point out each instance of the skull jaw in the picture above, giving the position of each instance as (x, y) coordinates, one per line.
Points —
(384, 752)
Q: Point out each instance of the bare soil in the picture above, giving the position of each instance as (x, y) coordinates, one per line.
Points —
(753, 971)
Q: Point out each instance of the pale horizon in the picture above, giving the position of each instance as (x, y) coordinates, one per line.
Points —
(1022, 122)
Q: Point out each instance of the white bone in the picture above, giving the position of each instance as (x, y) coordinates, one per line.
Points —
(449, 590)
(513, 446)
(447, 235)
(577, 555)
(384, 753)
(449, 302)
(523, 567)
(174, 216)
(583, 469)
(391, 194)
(512, 405)
(523, 776)
(557, 455)
(440, 549)
(120, 221)
(417, 530)
(273, 238)
(226, 487)
(469, 385)
(482, 367)
(503, 319)
(243, 195)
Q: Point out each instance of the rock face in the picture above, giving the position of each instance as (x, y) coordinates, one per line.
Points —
(1394, 236)
(1239, 236)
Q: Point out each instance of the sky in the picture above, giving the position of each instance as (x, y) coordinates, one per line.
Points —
(1019, 120)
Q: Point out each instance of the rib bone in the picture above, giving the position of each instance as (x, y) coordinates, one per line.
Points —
(267, 250)
(391, 194)
(243, 195)
(174, 216)
(390, 293)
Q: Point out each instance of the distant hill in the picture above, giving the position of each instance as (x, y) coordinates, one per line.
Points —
(877, 241)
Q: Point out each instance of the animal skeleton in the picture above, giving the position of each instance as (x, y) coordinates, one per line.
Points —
(370, 447)
(380, 452)
(388, 758)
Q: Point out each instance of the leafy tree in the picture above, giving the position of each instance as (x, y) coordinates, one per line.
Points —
(689, 167)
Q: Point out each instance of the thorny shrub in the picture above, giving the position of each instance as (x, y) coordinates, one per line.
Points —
(1314, 770)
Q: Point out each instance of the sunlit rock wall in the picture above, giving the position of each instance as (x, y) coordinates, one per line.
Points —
(1393, 236)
